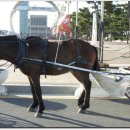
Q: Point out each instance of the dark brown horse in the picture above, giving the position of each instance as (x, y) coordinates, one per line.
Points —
(81, 53)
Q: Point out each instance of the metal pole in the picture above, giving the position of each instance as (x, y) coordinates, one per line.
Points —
(40, 62)
(102, 30)
(46, 32)
(76, 27)
(129, 26)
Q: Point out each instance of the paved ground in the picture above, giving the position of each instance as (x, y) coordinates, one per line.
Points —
(63, 113)
(116, 53)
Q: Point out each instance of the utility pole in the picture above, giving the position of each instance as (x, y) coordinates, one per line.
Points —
(101, 37)
(76, 27)
(129, 26)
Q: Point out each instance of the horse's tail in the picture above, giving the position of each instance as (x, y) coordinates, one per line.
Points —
(96, 64)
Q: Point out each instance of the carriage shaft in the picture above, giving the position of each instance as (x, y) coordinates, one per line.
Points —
(38, 61)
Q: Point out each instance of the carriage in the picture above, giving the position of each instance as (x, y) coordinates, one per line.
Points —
(35, 56)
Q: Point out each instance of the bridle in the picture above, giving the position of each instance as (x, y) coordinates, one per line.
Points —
(22, 50)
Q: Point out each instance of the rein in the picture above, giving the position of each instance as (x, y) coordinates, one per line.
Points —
(7, 67)
(22, 50)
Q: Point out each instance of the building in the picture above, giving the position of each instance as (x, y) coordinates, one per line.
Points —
(34, 25)
(38, 26)
(24, 19)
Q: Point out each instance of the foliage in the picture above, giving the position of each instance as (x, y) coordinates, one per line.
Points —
(115, 20)
(84, 22)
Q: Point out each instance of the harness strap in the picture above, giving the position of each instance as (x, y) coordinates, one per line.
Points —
(81, 60)
(44, 43)
(21, 53)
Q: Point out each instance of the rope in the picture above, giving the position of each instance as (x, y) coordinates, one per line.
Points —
(7, 67)
(3, 64)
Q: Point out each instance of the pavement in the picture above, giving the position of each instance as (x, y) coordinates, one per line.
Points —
(63, 113)
(61, 104)
(116, 53)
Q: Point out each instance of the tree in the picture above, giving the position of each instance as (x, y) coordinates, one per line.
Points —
(84, 23)
(116, 20)
(116, 23)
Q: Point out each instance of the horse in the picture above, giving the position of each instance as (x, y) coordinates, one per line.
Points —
(76, 51)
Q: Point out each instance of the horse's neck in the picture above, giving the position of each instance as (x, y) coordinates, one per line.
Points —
(9, 51)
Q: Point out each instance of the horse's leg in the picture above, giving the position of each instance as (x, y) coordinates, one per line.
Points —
(36, 83)
(86, 104)
(35, 101)
(81, 97)
(83, 101)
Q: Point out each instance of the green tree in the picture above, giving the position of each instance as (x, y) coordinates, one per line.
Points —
(84, 22)
(116, 20)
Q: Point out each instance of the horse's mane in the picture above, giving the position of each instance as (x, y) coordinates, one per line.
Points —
(32, 37)
(31, 40)
(9, 38)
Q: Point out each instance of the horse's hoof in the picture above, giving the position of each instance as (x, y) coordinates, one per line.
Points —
(81, 110)
(38, 115)
(30, 109)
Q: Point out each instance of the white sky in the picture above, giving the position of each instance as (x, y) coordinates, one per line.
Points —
(6, 7)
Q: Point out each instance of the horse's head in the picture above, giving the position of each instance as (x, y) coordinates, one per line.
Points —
(8, 38)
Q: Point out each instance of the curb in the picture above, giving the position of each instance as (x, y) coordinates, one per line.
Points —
(46, 89)
(64, 90)
(55, 92)
(29, 96)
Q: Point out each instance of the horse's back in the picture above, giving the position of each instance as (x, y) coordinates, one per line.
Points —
(90, 52)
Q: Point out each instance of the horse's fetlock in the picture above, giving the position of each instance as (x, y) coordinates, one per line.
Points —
(31, 109)
(38, 114)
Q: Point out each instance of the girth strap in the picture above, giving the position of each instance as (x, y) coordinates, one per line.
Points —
(45, 51)
(21, 53)
(81, 60)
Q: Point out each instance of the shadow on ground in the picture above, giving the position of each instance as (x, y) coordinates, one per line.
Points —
(50, 105)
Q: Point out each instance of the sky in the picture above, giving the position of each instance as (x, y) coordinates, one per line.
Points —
(6, 7)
